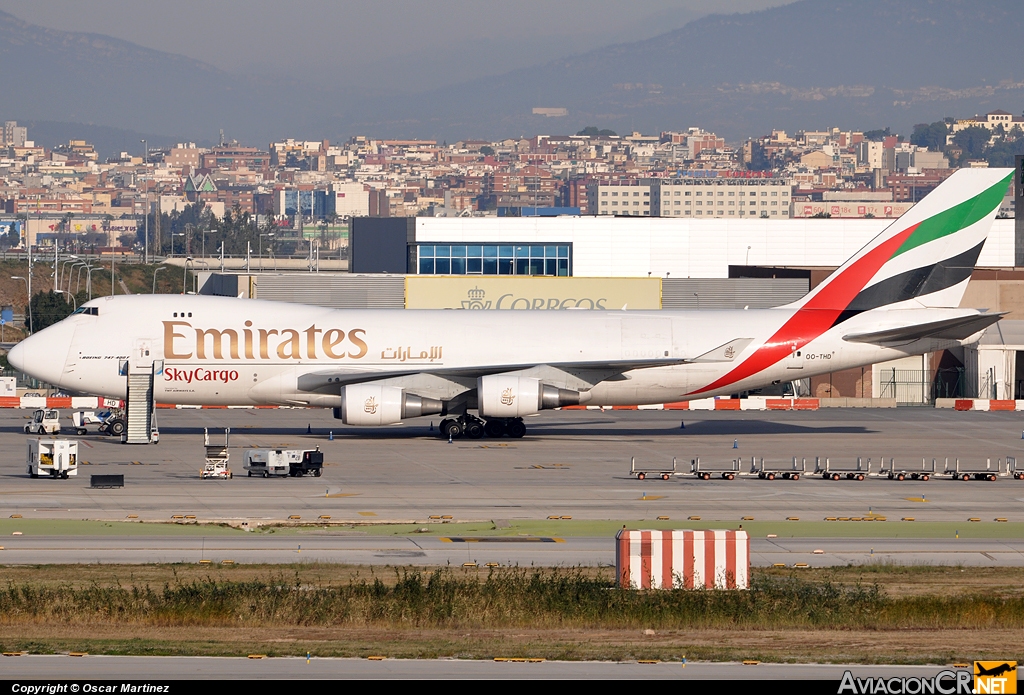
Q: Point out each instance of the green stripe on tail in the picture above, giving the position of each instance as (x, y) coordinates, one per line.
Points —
(957, 217)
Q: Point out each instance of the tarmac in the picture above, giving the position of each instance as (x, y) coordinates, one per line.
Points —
(89, 669)
(571, 464)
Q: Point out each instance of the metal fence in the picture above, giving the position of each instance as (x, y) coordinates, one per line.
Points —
(921, 387)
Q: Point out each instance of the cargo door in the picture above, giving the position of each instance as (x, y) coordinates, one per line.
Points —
(646, 337)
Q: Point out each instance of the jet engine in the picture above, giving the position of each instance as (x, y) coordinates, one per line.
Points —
(515, 396)
(372, 404)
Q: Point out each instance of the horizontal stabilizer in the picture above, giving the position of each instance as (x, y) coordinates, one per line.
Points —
(956, 328)
(725, 353)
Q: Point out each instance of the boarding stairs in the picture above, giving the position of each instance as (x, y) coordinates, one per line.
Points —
(140, 371)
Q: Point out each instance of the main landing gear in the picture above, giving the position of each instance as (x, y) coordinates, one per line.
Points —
(475, 428)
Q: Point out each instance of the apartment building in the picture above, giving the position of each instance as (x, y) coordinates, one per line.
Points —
(722, 197)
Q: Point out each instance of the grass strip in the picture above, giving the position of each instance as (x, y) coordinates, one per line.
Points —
(503, 598)
(867, 614)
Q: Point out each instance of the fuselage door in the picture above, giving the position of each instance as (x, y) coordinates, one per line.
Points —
(796, 357)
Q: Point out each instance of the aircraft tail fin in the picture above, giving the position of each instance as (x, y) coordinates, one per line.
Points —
(927, 255)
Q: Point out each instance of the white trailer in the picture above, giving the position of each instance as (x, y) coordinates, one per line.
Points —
(895, 472)
(963, 471)
(57, 458)
(639, 474)
(770, 470)
(705, 471)
(268, 462)
(835, 471)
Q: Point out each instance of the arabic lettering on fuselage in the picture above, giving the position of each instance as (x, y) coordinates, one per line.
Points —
(406, 354)
(182, 341)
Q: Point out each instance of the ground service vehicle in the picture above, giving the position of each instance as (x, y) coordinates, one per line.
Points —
(44, 421)
(57, 458)
(107, 421)
(267, 462)
(308, 462)
(217, 457)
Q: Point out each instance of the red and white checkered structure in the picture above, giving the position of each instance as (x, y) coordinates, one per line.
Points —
(682, 559)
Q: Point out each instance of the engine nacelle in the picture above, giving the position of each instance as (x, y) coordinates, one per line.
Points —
(499, 395)
(372, 404)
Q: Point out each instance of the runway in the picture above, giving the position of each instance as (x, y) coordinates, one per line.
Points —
(124, 668)
(505, 551)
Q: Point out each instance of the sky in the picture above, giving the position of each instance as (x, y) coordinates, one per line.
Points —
(383, 46)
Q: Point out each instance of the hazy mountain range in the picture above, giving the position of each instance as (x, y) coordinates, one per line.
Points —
(811, 64)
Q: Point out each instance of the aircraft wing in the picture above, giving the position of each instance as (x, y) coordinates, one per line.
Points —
(589, 372)
(586, 373)
(957, 328)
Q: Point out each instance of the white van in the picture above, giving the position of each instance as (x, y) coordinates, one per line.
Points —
(267, 462)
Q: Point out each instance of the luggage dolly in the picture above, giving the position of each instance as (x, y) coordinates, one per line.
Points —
(642, 475)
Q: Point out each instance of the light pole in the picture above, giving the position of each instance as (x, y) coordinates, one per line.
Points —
(78, 279)
(154, 277)
(271, 235)
(145, 238)
(28, 289)
(60, 276)
(72, 269)
(88, 280)
(184, 274)
(174, 234)
(73, 302)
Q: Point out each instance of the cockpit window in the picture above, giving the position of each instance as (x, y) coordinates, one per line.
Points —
(90, 310)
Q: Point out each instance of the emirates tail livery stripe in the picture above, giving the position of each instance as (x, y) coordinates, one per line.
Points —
(829, 303)
(957, 217)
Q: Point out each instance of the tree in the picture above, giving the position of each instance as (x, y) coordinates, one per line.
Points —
(877, 135)
(1004, 152)
(972, 141)
(49, 308)
(487, 151)
(932, 136)
(592, 131)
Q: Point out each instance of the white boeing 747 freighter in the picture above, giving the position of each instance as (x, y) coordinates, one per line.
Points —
(897, 296)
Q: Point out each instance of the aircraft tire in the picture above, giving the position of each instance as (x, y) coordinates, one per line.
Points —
(494, 428)
(474, 430)
(117, 428)
(516, 429)
(451, 428)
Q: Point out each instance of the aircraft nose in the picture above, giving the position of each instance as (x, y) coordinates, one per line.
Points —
(16, 355)
(43, 354)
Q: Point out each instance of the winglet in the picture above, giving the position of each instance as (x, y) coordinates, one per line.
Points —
(725, 353)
